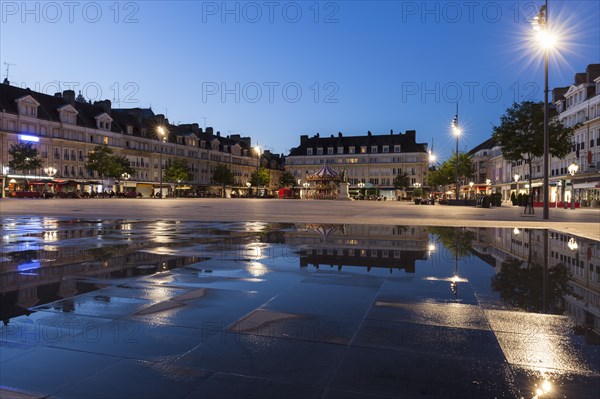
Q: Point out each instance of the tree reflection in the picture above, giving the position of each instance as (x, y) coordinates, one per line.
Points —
(523, 287)
(457, 240)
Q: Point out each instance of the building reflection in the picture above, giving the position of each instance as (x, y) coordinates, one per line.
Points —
(569, 284)
(366, 246)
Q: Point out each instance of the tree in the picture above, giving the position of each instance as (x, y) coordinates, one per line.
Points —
(118, 166)
(287, 179)
(100, 160)
(222, 175)
(446, 174)
(521, 134)
(523, 286)
(260, 178)
(177, 171)
(402, 181)
(24, 157)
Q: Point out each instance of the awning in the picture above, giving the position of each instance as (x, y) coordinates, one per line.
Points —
(587, 185)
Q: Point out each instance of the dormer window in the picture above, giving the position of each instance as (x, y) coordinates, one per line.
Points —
(68, 114)
(309, 151)
(396, 148)
(27, 106)
(351, 149)
(329, 150)
(340, 150)
(363, 149)
(103, 121)
(373, 149)
(320, 151)
(129, 129)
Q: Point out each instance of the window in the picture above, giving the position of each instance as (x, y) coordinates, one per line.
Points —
(351, 150)
(386, 149)
(309, 151)
(396, 148)
(329, 150)
(340, 150)
(105, 140)
(373, 149)
(320, 151)
(363, 149)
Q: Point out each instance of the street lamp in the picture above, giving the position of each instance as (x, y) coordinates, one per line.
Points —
(361, 185)
(306, 185)
(488, 183)
(517, 177)
(248, 184)
(257, 152)
(162, 136)
(546, 39)
(125, 176)
(573, 168)
(558, 196)
(50, 171)
(471, 184)
(456, 130)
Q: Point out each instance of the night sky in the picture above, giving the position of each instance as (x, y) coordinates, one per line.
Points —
(276, 70)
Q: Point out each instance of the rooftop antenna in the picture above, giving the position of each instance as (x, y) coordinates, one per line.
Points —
(204, 118)
(8, 64)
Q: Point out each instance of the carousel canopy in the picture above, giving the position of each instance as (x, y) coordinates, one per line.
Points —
(324, 173)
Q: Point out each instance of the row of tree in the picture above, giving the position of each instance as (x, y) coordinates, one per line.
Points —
(103, 160)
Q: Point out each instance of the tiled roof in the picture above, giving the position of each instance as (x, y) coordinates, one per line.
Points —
(407, 142)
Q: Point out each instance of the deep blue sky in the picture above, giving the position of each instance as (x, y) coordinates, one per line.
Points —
(375, 65)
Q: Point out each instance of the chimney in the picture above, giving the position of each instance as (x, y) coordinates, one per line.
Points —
(303, 139)
(339, 135)
(59, 94)
(391, 132)
(69, 96)
(369, 133)
(317, 135)
(209, 131)
(218, 134)
(104, 104)
(412, 135)
(592, 71)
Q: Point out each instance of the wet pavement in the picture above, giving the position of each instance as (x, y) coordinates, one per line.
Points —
(151, 309)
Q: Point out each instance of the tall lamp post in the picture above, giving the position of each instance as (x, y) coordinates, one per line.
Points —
(456, 131)
(573, 168)
(517, 177)
(540, 25)
(125, 177)
(50, 171)
(162, 135)
(257, 152)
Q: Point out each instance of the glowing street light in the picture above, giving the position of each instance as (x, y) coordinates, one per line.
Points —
(162, 136)
(517, 177)
(573, 168)
(126, 177)
(456, 131)
(547, 41)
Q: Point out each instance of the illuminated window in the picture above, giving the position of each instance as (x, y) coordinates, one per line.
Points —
(363, 150)
(105, 140)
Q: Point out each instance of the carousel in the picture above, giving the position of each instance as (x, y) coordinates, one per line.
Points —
(325, 184)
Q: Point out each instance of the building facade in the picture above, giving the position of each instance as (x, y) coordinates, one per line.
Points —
(65, 129)
(371, 161)
(577, 105)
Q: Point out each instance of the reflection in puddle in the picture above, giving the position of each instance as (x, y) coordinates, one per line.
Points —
(543, 311)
